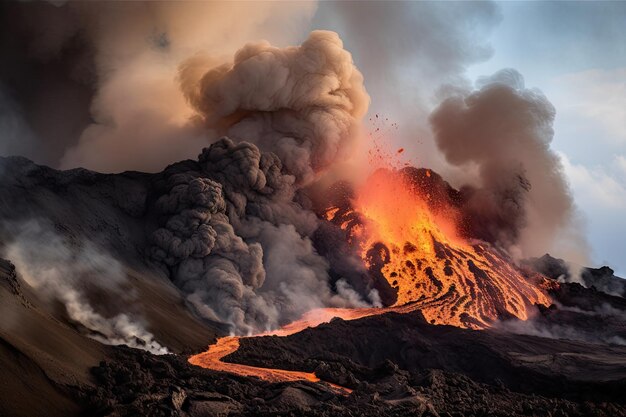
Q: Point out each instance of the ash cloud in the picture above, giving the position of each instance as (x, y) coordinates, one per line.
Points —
(236, 230)
(503, 132)
(68, 272)
(302, 103)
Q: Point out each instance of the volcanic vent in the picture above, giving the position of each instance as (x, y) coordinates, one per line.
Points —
(408, 228)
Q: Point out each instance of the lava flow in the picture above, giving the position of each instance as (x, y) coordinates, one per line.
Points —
(405, 227)
(212, 358)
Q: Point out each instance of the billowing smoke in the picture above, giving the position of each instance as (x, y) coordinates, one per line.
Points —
(301, 103)
(67, 272)
(236, 242)
(93, 84)
(236, 233)
(502, 131)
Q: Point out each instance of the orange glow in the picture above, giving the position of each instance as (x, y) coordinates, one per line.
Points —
(412, 239)
(212, 358)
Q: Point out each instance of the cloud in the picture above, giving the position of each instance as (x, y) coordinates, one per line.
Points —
(620, 161)
(595, 186)
(595, 101)
(600, 193)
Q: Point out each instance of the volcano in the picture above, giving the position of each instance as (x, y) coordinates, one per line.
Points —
(406, 228)
(221, 232)
(464, 330)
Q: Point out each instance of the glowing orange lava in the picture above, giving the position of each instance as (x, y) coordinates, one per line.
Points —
(212, 358)
(412, 240)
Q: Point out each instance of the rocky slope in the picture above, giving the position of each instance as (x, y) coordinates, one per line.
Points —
(568, 359)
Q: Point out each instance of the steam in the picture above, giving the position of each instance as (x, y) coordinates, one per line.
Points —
(536, 326)
(503, 132)
(60, 270)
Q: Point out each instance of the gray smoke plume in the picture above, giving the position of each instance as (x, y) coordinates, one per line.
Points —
(503, 132)
(65, 271)
(238, 244)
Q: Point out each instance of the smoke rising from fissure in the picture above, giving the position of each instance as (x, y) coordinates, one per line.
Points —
(66, 272)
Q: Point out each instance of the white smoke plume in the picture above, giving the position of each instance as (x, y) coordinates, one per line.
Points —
(535, 326)
(65, 271)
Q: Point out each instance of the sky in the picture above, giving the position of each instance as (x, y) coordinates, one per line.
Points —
(575, 53)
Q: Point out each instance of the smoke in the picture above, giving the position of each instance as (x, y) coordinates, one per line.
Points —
(406, 51)
(16, 135)
(236, 229)
(238, 244)
(301, 103)
(67, 272)
(503, 132)
(95, 82)
(557, 331)
(575, 329)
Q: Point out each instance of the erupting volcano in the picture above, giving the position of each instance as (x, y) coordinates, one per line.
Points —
(207, 209)
(406, 229)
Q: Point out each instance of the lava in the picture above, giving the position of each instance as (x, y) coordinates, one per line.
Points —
(406, 229)
(213, 358)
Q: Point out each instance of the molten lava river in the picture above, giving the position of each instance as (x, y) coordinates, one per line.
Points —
(405, 228)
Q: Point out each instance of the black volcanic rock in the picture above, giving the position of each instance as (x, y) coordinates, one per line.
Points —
(527, 364)
(439, 381)
(602, 279)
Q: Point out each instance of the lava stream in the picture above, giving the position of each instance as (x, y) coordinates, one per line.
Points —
(212, 358)
(406, 228)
